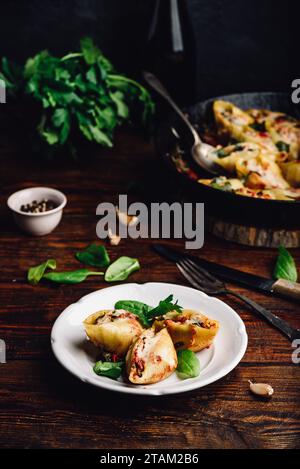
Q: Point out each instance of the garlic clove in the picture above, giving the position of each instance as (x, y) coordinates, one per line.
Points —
(126, 219)
(261, 389)
(113, 238)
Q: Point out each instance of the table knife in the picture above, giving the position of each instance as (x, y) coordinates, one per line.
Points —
(280, 287)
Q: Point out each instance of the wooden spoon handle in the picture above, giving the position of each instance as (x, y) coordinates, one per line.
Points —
(287, 288)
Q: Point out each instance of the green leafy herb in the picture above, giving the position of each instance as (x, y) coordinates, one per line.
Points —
(239, 147)
(136, 307)
(259, 126)
(80, 96)
(221, 153)
(282, 146)
(121, 269)
(35, 274)
(221, 183)
(188, 364)
(164, 307)
(75, 276)
(226, 187)
(12, 75)
(94, 255)
(109, 369)
(285, 266)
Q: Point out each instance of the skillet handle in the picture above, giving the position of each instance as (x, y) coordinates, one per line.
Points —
(287, 288)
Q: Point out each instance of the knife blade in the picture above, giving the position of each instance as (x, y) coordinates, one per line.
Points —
(280, 287)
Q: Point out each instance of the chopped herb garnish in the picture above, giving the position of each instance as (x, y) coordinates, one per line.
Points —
(221, 153)
(259, 126)
(164, 307)
(282, 146)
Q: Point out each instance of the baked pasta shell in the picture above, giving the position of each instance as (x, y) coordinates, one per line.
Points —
(112, 331)
(151, 358)
(190, 330)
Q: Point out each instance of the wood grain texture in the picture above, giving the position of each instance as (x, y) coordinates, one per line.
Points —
(254, 236)
(42, 405)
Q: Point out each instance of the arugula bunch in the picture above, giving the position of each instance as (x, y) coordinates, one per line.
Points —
(79, 94)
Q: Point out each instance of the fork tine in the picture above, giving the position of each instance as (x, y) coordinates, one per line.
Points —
(202, 272)
(200, 279)
(188, 276)
(200, 282)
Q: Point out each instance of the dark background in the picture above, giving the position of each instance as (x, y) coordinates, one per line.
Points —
(240, 45)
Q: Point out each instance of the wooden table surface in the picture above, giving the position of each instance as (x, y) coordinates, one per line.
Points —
(43, 406)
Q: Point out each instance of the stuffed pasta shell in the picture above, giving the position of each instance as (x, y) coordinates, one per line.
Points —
(230, 119)
(113, 330)
(236, 186)
(227, 157)
(285, 132)
(261, 173)
(151, 358)
(190, 330)
(261, 115)
(291, 172)
(223, 183)
(240, 126)
(261, 138)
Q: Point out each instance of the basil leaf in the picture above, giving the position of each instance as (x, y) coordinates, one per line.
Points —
(109, 369)
(96, 256)
(136, 307)
(121, 269)
(285, 266)
(35, 274)
(188, 364)
(75, 276)
(164, 307)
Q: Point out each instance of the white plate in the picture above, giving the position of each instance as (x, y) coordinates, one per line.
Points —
(78, 355)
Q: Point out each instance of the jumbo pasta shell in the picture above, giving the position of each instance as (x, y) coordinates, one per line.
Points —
(151, 358)
(191, 330)
(113, 330)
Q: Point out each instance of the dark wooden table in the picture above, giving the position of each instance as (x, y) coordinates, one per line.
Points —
(43, 406)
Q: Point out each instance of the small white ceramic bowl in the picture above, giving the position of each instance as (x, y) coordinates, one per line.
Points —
(37, 224)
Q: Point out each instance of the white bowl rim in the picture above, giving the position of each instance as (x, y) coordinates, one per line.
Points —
(40, 214)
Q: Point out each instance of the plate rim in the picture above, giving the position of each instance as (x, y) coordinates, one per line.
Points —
(111, 385)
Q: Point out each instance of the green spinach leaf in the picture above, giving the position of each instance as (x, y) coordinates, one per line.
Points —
(285, 266)
(94, 255)
(75, 276)
(109, 369)
(136, 307)
(188, 364)
(35, 273)
(121, 269)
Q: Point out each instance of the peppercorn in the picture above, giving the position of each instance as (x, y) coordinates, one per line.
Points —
(38, 207)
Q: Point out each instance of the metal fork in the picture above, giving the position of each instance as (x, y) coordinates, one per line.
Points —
(202, 280)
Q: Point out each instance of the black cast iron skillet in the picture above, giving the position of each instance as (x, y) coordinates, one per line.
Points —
(226, 205)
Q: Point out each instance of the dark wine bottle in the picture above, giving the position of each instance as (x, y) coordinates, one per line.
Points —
(171, 51)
